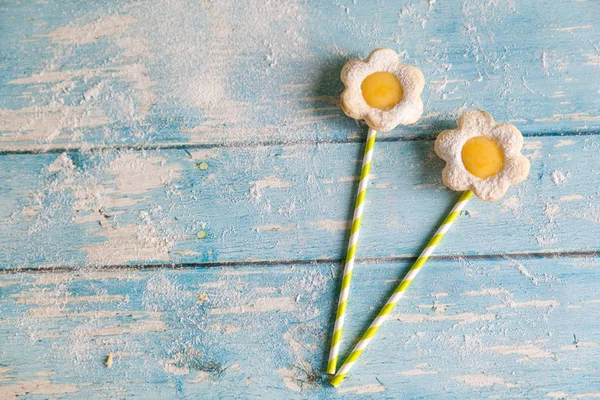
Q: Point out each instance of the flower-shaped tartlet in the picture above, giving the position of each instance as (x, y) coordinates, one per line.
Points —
(382, 91)
(482, 156)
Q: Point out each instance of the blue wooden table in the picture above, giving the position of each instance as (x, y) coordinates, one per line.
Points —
(176, 180)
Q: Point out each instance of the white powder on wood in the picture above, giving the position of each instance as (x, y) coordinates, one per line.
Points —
(558, 177)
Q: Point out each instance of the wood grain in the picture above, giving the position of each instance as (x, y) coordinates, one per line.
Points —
(282, 203)
(116, 73)
(176, 179)
(472, 328)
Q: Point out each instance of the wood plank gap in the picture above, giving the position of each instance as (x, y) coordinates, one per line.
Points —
(220, 264)
(184, 146)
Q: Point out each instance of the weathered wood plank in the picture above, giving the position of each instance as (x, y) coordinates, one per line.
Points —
(281, 203)
(467, 329)
(116, 72)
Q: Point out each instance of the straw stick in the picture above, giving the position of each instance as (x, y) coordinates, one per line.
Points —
(399, 292)
(336, 338)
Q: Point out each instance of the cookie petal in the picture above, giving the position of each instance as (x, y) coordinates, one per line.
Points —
(476, 121)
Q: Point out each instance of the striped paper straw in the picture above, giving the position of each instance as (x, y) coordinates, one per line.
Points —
(399, 292)
(336, 338)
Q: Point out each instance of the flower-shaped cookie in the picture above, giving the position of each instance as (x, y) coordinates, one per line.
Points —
(482, 155)
(382, 91)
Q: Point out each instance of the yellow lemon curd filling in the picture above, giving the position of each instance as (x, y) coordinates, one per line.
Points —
(382, 90)
(482, 157)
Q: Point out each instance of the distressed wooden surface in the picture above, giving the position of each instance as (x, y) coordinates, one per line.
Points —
(176, 179)
(168, 72)
(475, 328)
(281, 203)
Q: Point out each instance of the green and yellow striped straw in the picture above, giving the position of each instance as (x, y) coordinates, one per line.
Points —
(399, 292)
(336, 338)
